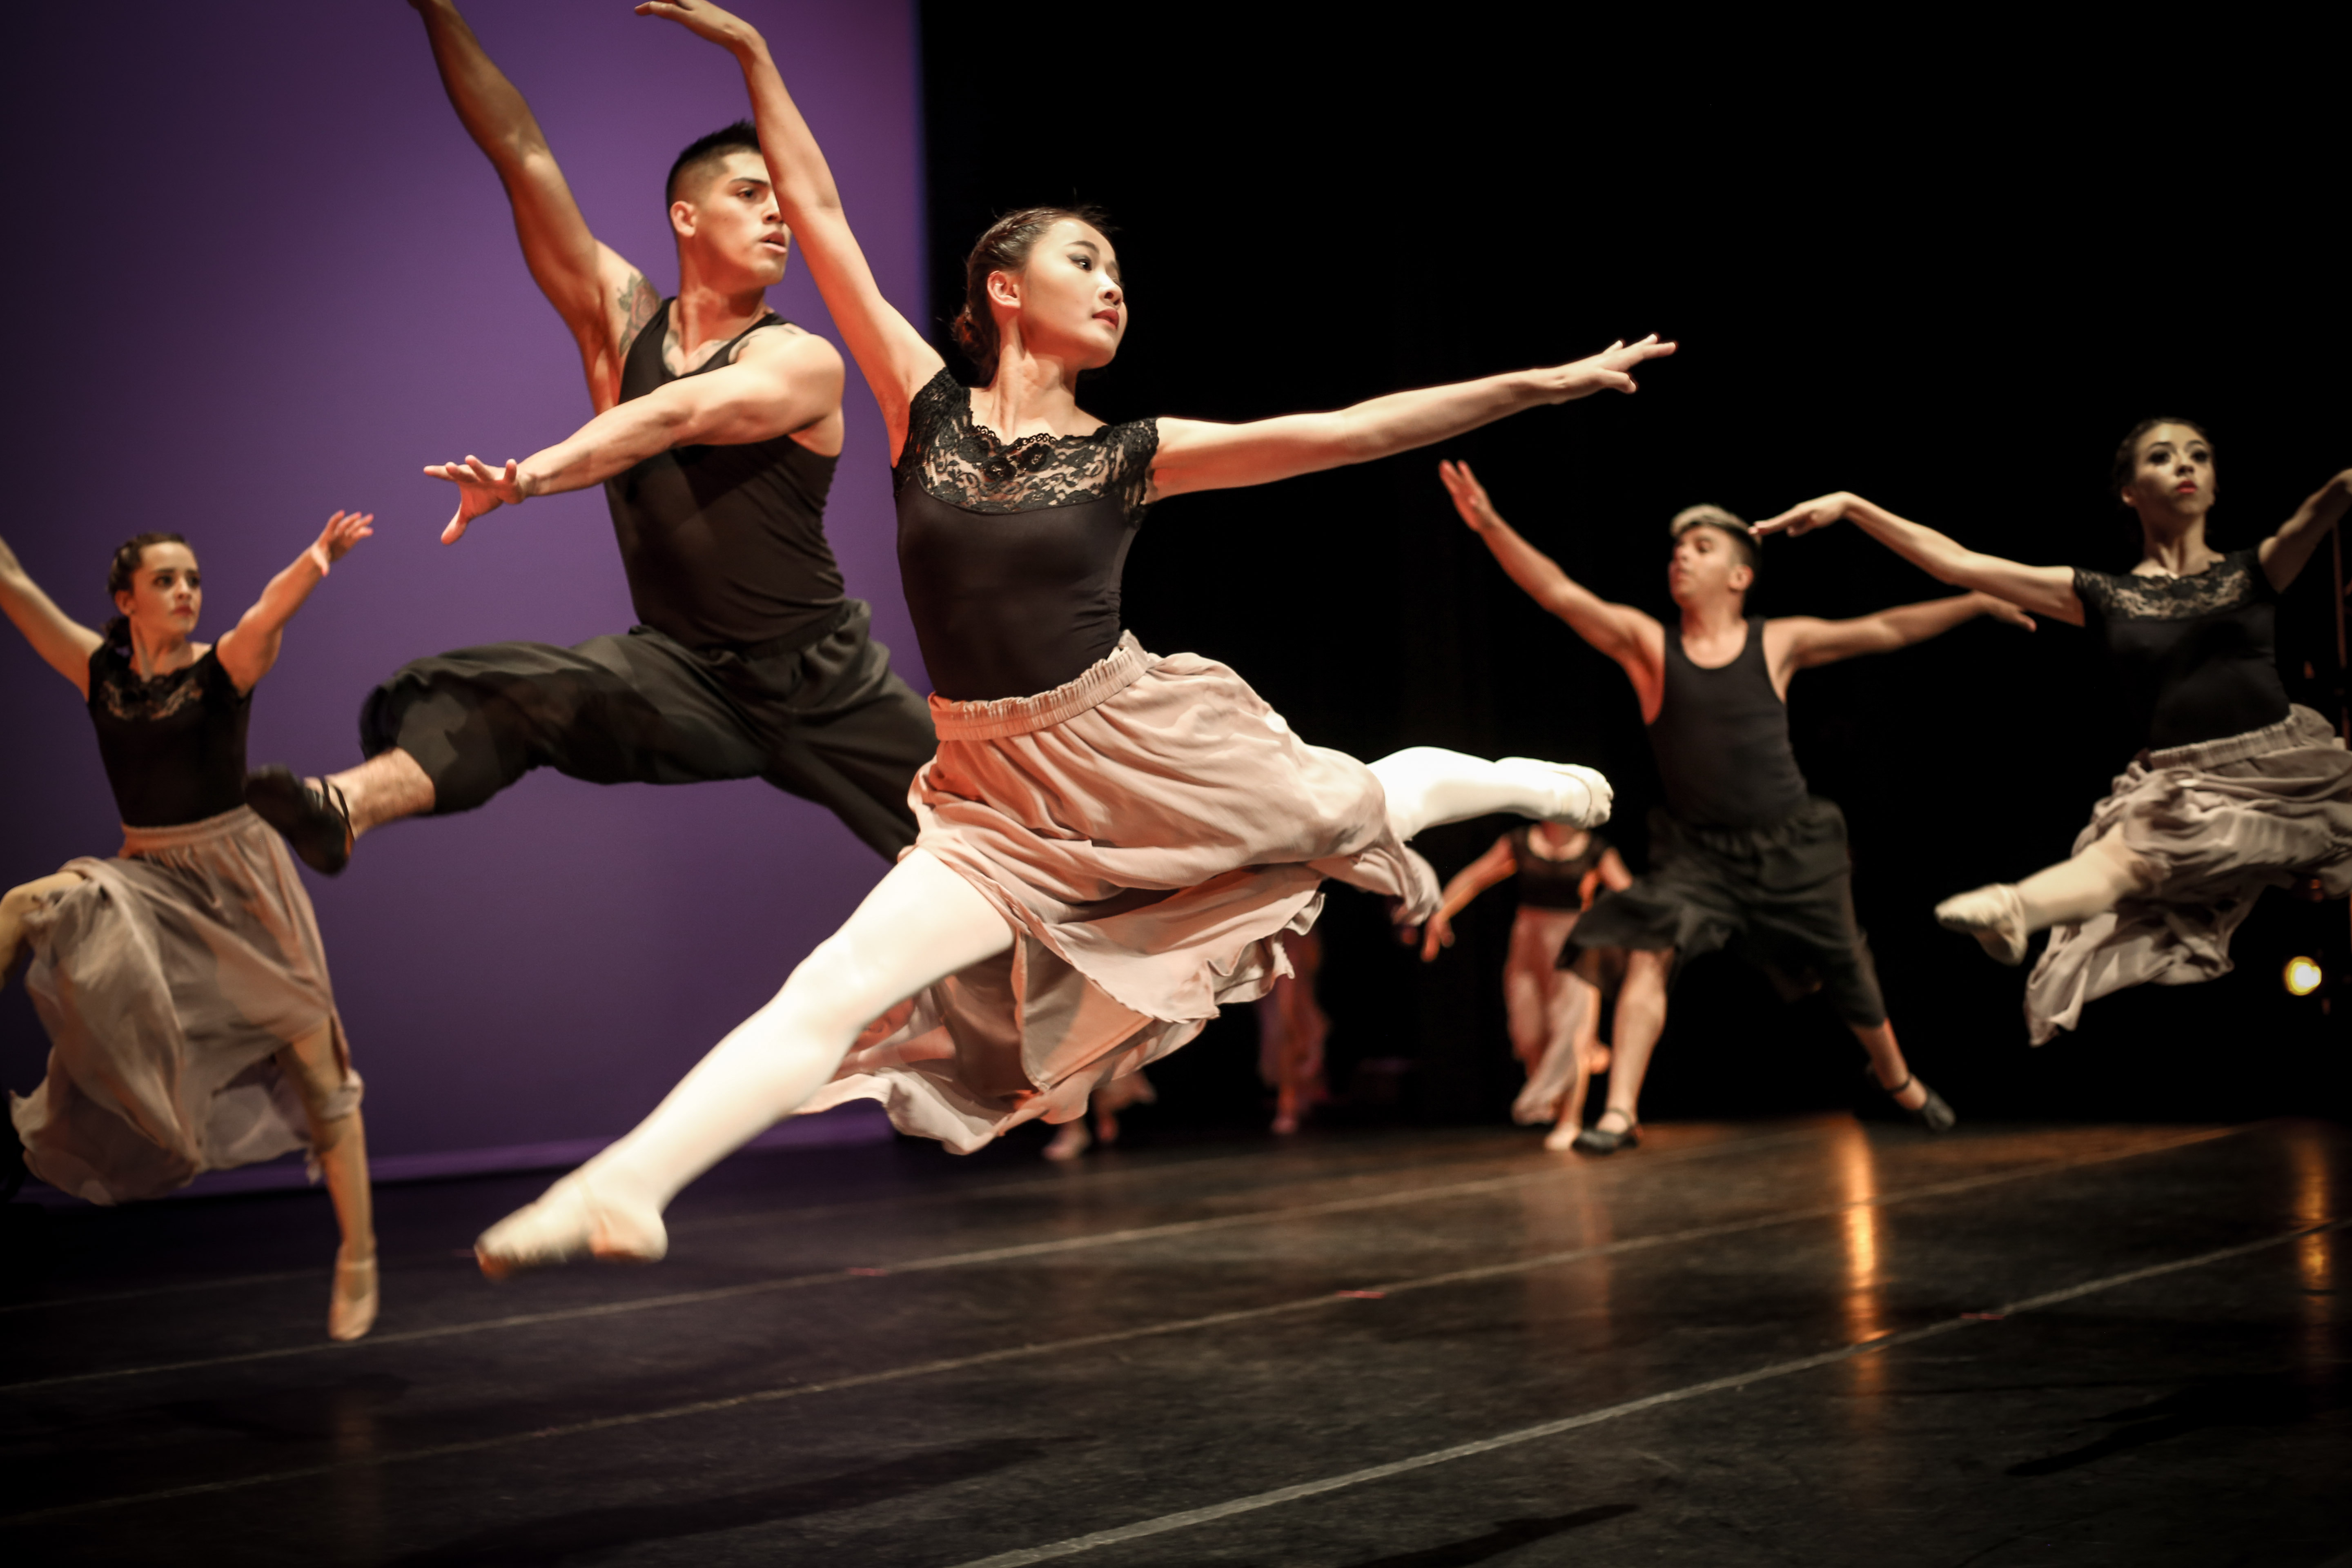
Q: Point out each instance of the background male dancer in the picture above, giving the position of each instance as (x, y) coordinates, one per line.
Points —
(1743, 856)
(718, 425)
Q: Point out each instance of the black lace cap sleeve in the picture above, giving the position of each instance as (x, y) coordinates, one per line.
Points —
(958, 461)
(2235, 580)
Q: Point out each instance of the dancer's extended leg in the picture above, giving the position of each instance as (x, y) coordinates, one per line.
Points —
(1427, 785)
(386, 788)
(1896, 1076)
(920, 923)
(2002, 917)
(323, 818)
(339, 1145)
(1641, 1019)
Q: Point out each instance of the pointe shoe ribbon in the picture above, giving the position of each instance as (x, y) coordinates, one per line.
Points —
(1992, 914)
(566, 1222)
(1581, 796)
(350, 1311)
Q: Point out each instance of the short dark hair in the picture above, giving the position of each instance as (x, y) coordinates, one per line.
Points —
(128, 556)
(741, 137)
(1725, 523)
(2127, 453)
(1006, 247)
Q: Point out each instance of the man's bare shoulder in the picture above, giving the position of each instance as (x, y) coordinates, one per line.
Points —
(789, 349)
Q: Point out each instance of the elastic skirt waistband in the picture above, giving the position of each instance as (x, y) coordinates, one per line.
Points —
(2200, 754)
(187, 835)
(998, 717)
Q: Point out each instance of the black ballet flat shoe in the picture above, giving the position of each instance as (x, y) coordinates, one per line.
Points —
(1933, 1113)
(1597, 1140)
(316, 822)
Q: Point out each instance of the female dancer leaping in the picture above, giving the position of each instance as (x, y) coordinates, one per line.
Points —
(182, 983)
(2238, 789)
(1111, 841)
(1554, 1013)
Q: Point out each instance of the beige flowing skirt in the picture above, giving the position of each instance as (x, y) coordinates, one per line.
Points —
(1546, 1007)
(2219, 822)
(168, 979)
(1147, 830)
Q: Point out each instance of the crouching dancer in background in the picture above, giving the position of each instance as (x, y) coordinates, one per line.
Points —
(182, 983)
(1744, 855)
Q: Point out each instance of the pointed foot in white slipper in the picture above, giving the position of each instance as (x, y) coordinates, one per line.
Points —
(1069, 1141)
(350, 1311)
(1578, 796)
(1994, 915)
(570, 1221)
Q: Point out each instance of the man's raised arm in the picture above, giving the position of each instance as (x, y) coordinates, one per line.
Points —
(1634, 640)
(602, 299)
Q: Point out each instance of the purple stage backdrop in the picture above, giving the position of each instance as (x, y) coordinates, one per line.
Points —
(262, 274)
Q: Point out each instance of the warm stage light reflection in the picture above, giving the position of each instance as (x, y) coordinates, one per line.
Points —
(1865, 1309)
(2314, 1255)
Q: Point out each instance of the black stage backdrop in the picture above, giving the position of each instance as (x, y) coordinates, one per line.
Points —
(1937, 275)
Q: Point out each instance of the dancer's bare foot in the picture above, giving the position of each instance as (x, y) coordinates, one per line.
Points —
(1562, 1138)
(1070, 1141)
(1596, 1060)
(1994, 915)
(568, 1221)
(1579, 796)
(350, 1311)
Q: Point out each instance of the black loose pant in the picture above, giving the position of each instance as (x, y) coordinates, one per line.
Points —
(829, 722)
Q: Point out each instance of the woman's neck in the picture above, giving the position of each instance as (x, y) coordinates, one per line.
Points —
(155, 656)
(2175, 546)
(1031, 393)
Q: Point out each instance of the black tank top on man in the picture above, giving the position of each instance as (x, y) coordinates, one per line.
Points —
(723, 546)
(1549, 884)
(175, 746)
(1011, 553)
(2198, 655)
(1721, 740)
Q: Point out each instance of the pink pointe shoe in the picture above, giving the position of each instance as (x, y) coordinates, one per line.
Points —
(565, 1224)
(350, 1311)
(1070, 1141)
(1994, 915)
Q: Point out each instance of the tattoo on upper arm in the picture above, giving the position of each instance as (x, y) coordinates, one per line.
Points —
(639, 300)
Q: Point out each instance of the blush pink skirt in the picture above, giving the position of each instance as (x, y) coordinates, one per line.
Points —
(2218, 821)
(1149, 830)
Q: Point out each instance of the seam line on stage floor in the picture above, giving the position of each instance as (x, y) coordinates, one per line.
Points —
(1393, 1199)
(1185, 1325)
(1078, 1545)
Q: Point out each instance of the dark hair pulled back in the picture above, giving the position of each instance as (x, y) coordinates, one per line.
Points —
(1006, 247)
(128, 556)
(2119, 474)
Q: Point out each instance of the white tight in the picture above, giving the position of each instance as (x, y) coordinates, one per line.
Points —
(921, 923)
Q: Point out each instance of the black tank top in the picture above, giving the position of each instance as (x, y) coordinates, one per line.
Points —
(1012, 555)
(2198, 655)
(1721, 739)
(723, 544)
(1553, 884)
(173, 746)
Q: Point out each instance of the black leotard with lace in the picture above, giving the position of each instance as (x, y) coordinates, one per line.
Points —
(1549, 884)
(2198, 655)
(173, 746)
(1011, 553)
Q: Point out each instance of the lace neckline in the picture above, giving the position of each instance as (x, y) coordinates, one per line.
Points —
(2160, 576)
(955, 458)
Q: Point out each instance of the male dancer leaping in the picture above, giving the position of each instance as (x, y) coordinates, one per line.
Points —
(718, 424)
(1743, 856)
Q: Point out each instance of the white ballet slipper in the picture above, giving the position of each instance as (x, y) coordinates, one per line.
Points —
(1994, 915)
(350, 1311)
(1070, 1141)
(567, 1222)
(1578, 796)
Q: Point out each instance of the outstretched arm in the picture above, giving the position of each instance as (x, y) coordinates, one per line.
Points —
(782, 380)
(64, 644)
(1195, 455)
(893, 356)
(1805, 641)
(1497, 864)
(248, 649)
(2283, 552)
(2044, 590)
(602, 299)
(1634, 640)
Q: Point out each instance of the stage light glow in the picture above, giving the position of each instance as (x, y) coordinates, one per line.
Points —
(2303, 976)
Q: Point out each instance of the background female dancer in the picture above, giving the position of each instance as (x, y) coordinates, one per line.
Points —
(183, 985)
(2238, 790)
(1554, 1014)
(1744, 854)
(1111, 841)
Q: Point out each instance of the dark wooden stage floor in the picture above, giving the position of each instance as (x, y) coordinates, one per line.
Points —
(1787, 1342)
